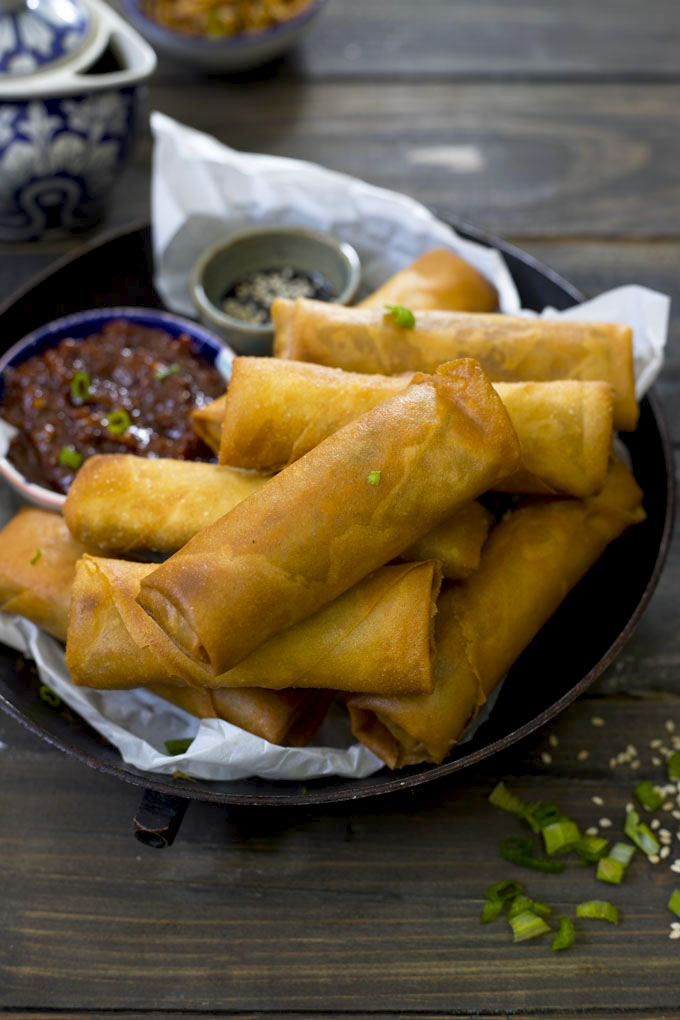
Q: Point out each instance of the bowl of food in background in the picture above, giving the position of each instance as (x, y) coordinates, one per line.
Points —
(235, 282)
(109, 380)
(222, 35)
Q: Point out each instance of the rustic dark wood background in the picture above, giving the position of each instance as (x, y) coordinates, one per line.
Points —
(557, 126)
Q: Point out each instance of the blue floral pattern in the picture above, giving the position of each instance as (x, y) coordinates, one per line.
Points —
(58, 160)
(31, 38)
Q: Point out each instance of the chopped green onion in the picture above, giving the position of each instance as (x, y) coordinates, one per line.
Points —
(561, 837)
(506, 890)
(591, 848)
(673, 765)
(80, 387)
(491, 910)
(542, 813)
(641, 834)
(118, 422)
(178, 746)
(36, 557)
(600, 910)
(70, 457)
(521, 851)
(164, 373)
(610, 870)
(648, 796)
(528, 925)
(518, 906)
(674, 902)
(402, 316)
(565, 935)
(522, 903)
(623, 852)
(49, 696)
(374, 478)
(501, 798)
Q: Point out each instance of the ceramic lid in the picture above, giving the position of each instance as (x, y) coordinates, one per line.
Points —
(36, 35)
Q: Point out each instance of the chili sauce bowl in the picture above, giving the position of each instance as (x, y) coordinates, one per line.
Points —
(204, 345)
(226, 54)
(236, 260)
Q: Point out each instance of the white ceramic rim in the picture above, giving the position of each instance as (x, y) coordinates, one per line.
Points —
(66, 79)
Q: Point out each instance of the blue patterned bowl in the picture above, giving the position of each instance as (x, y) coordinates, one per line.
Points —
(64, 133)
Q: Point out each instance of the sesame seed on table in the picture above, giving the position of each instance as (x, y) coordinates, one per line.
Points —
(553, 126)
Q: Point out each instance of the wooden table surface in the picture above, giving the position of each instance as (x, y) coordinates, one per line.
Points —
(556, 126)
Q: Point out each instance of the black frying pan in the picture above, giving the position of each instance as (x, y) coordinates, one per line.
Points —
(575, 646)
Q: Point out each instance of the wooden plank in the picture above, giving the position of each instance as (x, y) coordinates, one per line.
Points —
(484, 39)
(319, 910)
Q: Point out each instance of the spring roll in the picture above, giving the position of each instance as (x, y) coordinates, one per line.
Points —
(377, 637)
(509, 349)
(349, 506)
(276, 411)
(290, 718)
(120, 504)
(37, 564)
(456, 543)
(207, 422)
(532, 559)
(437, 279)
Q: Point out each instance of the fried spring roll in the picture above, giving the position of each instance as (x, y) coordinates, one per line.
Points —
(290, 718)
(350, 505)
(437, 279)
(456, 543)
(532, 559)
(509, 349)
(37, 563)
(39, 587)
(120, 504)
(207, 422)
(376, 637)
(276, 411)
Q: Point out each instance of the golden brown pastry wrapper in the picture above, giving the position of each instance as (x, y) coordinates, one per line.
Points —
(509, 348)
(350, 505)
(376, 637)
(37, 563)
(531, 560)
(120, 503)
(438, 279)
(276, 411)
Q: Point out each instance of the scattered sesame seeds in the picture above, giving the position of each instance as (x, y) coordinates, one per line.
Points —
(635, 764)
(597, 720)
(632, 750)
(653, 858)
(664, 852)
(655, 823)
(655, 743)
(630, 806)
(612, 763)
(552, 740)
(675, 814)
(674, 934)
(583, 754)
(593, 831)
(667, 805)
(675, 866)
(598, 801)
(546, 758)
(669, 726)
(664, 834)
(605, 823)
(656, 761)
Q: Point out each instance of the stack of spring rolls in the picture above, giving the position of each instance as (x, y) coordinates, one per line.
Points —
(344, 545)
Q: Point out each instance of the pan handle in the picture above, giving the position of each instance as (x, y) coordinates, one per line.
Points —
(158, 818)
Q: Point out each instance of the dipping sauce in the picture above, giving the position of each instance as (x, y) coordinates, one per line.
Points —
(128, 389)
(250, 299)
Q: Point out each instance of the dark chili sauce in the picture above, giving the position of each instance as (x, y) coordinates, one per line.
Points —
(153, 377)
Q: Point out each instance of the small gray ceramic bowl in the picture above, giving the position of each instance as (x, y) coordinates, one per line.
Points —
(263, 248)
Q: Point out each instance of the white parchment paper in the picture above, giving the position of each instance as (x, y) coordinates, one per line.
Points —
(201, 191)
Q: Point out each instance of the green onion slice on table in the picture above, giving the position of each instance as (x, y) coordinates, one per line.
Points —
(600, 910)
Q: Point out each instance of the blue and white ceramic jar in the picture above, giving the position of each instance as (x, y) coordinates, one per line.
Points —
(64, 133)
